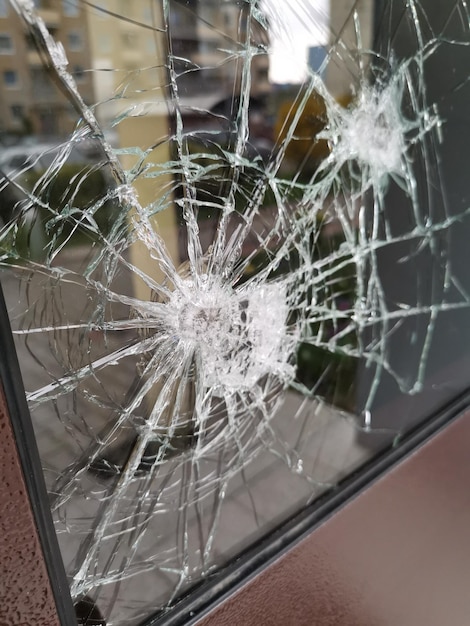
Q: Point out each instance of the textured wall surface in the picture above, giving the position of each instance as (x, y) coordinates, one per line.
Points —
(25, 594)
(398, 554)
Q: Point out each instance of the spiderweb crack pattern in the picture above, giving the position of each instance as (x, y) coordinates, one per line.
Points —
(203, 366)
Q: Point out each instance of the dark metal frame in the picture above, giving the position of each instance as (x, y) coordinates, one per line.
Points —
(204, 597)
(20, 419)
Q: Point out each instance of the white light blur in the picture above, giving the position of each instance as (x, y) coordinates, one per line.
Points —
(294, 26)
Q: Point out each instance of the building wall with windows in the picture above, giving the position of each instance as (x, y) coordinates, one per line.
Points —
(30, 100)
(130, 66)
(126, 63)
(114, 49)
(351, 21)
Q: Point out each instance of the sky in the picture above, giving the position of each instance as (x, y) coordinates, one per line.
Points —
(295, 25)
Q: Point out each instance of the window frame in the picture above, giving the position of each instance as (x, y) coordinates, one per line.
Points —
(7, 50)
(11, 85)
(70, 8)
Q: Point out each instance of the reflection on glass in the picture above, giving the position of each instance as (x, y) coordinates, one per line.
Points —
(226, 240)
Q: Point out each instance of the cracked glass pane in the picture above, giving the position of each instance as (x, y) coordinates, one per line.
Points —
(233, 244)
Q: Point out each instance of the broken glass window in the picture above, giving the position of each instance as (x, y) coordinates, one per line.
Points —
(234, 250)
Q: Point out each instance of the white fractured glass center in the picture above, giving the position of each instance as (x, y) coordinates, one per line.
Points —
(239, 335)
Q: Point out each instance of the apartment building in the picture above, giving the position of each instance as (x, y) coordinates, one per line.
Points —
(213, 36)
(351, 23)
(118, 55)
(30, 101)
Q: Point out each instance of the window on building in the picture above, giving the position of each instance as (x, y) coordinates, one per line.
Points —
(104, 43)
(101, 9)
(175, 17)
(74, 40)
(17, 111)
(3, 8)
(79, 73)
(227, 20)
(70, 8)
(48, 122)
(129, 39)
(150, 45)
(10, 78)
(41, 82)
(6, 44)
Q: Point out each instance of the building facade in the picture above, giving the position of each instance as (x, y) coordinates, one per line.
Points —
(30, 101)
(118, 55)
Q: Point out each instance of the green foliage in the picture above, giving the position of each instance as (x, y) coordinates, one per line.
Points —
(329, 372)
(71, 207)
(331, 375)
(213, 180)
(303, 151)
(76, 198)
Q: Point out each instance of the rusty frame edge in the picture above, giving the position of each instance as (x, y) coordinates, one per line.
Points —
(20, 420)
